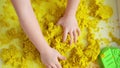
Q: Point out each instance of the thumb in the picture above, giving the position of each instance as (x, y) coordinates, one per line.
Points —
(61, 57)
(59, 22)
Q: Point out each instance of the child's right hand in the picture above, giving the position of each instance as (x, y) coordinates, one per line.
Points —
(70, 26)
(50, 58)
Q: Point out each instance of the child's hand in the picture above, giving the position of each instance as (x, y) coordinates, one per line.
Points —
(69, 24)
(50, 58)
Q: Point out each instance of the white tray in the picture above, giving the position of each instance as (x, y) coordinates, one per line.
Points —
(114, 21)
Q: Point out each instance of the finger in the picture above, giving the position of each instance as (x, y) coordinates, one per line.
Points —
(75, 36)
(71, 37)
(61, 57)
(65, 35)
(58, 65)
(59, 22)
(78, 31)
(53, 66)
(48, 66)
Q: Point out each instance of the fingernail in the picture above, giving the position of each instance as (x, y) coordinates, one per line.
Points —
(75, 41)
(64, 58)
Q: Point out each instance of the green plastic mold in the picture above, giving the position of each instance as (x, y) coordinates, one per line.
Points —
(109, 57)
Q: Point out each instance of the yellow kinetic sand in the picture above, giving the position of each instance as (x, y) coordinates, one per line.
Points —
(16, 51)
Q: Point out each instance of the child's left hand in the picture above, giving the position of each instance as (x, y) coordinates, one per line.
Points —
(70, 26)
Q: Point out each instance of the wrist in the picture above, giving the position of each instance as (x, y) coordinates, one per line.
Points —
(44, 49)
(70, 14)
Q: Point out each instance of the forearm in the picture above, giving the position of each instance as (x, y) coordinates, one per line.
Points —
(29, 23)
(71, 8)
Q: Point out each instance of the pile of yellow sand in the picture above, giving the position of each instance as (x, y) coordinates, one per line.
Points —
(18, 52)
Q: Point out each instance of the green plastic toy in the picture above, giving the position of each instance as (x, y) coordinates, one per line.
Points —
(109, 57)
